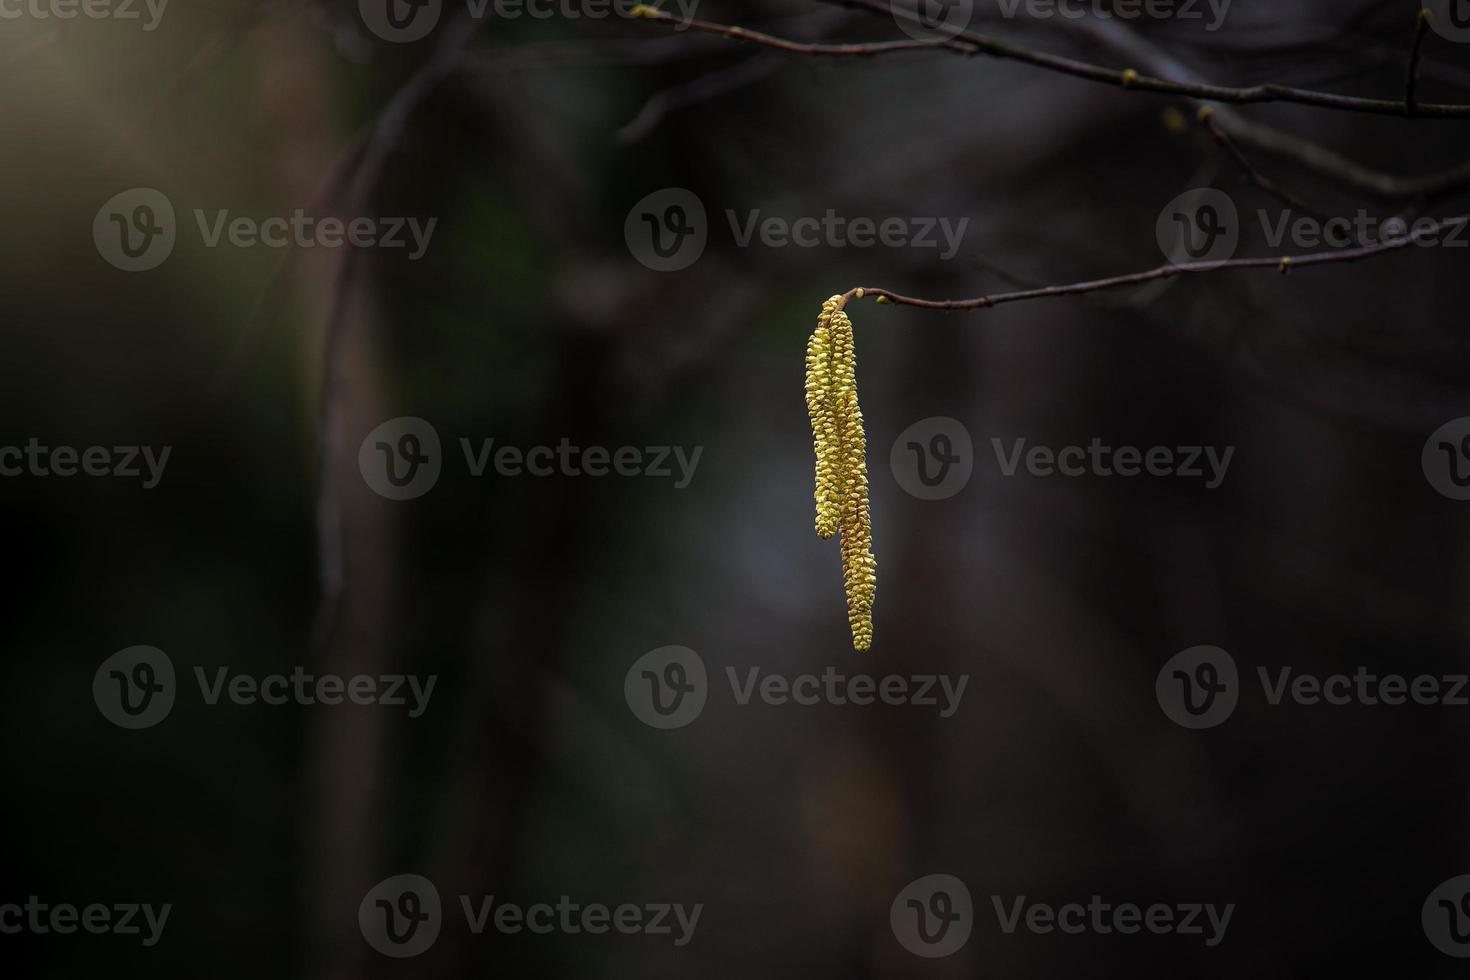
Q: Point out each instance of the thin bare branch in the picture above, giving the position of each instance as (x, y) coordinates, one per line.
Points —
(1282, 264)
(1319, 160)
(1411, 86)
(852, 50)
(971, 43)
(203, 61)
(34, 46)
(370, 156)
(747, 72)
(1207, 120)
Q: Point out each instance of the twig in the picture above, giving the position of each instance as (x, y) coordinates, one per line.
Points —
(754, 69)
(1421, 27)
(34, 46)
(205, 59)
(747, 72)
(1340, 169)
(1132, 79)
(1206, 117)
(971, 43)
(371, 156)
(1283, 264)
(1314, 157)
(850, 50)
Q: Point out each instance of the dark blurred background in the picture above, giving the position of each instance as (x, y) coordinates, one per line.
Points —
(530, 320)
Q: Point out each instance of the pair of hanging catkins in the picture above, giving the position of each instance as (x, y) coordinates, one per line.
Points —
(842, 467)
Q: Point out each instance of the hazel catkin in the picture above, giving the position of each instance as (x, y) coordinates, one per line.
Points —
(824, 425)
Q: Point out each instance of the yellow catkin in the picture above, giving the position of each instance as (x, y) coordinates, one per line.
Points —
(859, 569)
(820, 407)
